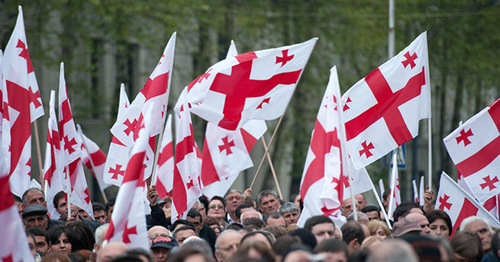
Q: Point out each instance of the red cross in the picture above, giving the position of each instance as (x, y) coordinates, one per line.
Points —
(25, 54)
(162, 56)
(68, 144)
(66, 114)
(266, 100)
(190, 184)
(7, 258)
(321, 143)
(138, 127)
(87, 196)
(464, 136)
(116, 171)
(166, 154)
(328, 212)
(238, 86)
(5, 110)
(130, 126)
(182, 149)
(127, 232)
(387, 106)
(226, 145)
(34, 97)
(199, 79)
(366, 149)
(346, 106)
(488, 182)
(444, 202)
(284, 59)
(410, 59)
(155, 87)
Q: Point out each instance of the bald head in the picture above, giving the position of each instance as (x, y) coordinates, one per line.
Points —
(157, 231)
(421, 220)
(111, 250)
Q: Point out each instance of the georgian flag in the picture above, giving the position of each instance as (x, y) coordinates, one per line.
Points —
(117, 159)
(165, 166)
(22, 105)
(474, 147)
(128, 221)
(93, 158)
(254, 85)
(53, 166)
(382, 110)
(459, 205)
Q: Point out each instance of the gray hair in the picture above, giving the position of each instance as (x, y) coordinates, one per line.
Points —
(265, 193)
(100, 233)
(471, 219)
(289, 207)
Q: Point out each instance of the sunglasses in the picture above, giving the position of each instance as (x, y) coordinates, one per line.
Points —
(216, 207)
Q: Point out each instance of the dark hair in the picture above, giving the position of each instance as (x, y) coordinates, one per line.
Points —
(467, 244)
(56, 231)
(315, 220)
(403, 209)
(436, 214)
(495, 243)
(237, 212)
(182, 253)
(56, 198)
(182, 229)
(269, 237)
(306, 236)
(110, 203)
(333, 246)
(352, 230)
(277, 231)
(193, 213)
(83, 237)
(283, 244)
(273, 215)
(137, 252)
(204, 201)
(98, 207)
(371, 208)
(76, 257)
(17, 198)
(296, 247)
(267, 254)
(221, 199)
(181, 221)
(38, 231)
(254, 221)
(56, 256)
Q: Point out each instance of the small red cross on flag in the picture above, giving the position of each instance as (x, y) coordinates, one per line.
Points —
(382, 111)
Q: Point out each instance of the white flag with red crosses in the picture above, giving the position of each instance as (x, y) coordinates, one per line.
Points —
(382, 110)
(459, 205)
(474, 147)
(165, 166)
(254, 85)
(93, 158)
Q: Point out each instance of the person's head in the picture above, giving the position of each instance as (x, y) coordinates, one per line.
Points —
(253, 221)
(195, 217)
(322, 227)
(362, 217)
(347, 208)
(31, 243)
(179, 223)
(34, 196)
(378, 228)
(255, 249)
(404, 209)
(297, 199)
(249, 214)
(353, 235)
(393, 250)
(213, 224)
(290, 211)
(333, 249)
(100, 213)
(234, 198)
(240, 210)
(481, 227)
(100, 233)
(36, 216)
(421, 221)
(406, 226)
(166, 206)
(276, 231)
(190, 253)
(371, 242)
(275, 219)
(466, 246)
(429, 248)
(361, 201)
(60, 239)
(226, 244)
(110, 251)
(495, 244)
(109, 207)
(161, 247)
(139, 253)
(217, 208)
(41, 239)
(439, 223)
(306, 237)
(157, 231)
(298, 253)
(60, 203)
(268, 202)
(83, 237)
(259, 235)
(183, 232)
(372, 211)
(56, 257)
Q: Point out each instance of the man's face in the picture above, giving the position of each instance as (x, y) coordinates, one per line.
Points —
(323, 231)
(110, 211)
(481, 229)
(233, 200)
(35, 198)
(31, 243)
(196, 222)
(361, 201)
(37, 221)
(227, 245)
(62, 207)
(160, 254)
(346, 207)
(182, 235)
(291, 217)
(422, 221)
(42, 245)
(101, 216)
(373, 215)
(269, 204)
(83, 213)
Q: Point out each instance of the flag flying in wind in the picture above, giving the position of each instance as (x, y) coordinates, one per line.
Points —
(117, 159)
(474, 147)
(165, 168)
(128, 221)
(254, 85)
(23, 105)
(53, 166)
(459, 205)
(93, 158)
(382, 110)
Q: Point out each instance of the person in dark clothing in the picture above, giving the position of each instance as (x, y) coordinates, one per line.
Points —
(157, 216)
(203, 230)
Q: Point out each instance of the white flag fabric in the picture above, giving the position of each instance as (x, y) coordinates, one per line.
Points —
(474, 147)
(254, 85)
(53, 166)
(165, 168)
(421, 200)
(382, 110)
(395, 198)
(128, 221)
(415, 192)
(459, 205)
(93, 158)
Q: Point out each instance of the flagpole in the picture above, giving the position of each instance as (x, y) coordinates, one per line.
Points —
(39, 154)
(271, 166)
(68, 185)
(381, 205)
(429, 150)
(393, 179)
(382, 187)
(266, 152)
(91, 161)
(154, 176)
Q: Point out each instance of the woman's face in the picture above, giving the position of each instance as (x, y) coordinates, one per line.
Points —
(216, 209)
(439, 228)
(216, 229)
(62, 245)
(379, 232)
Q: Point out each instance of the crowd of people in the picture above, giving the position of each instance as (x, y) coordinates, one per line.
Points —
(238, 227)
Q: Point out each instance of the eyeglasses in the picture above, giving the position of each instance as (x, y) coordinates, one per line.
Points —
(216, 207)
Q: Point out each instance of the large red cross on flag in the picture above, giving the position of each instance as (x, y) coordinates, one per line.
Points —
(128, 221)
(382, 110)
(459, 205)
(254, 85)
(474, 147)
(67, 130)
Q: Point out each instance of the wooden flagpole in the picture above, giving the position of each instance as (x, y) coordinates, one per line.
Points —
(154, 176)
(266, 152)
(381, 205)
(39, 154)
(394, 170)
(429, 150)
(272, 167)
